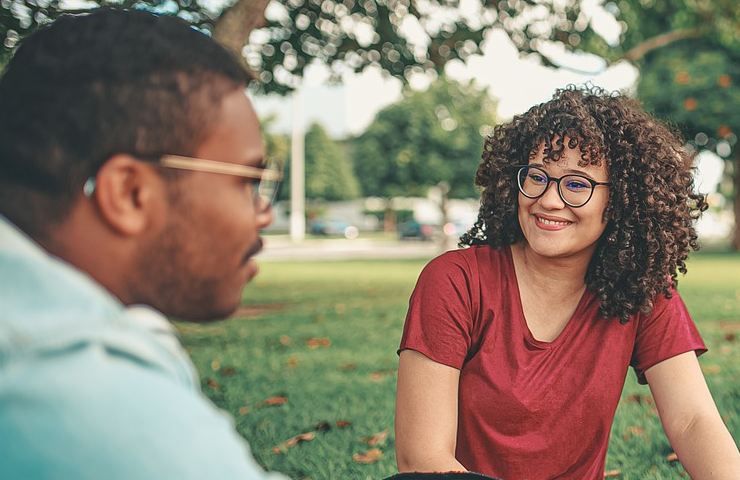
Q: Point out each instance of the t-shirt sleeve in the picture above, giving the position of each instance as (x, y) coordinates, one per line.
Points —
(664, 333)
(439, 322)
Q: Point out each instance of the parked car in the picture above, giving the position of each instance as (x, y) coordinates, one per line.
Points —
(334, 228)
(456, 229)
(414, 229)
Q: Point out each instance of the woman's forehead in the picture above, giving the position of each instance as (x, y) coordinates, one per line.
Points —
(569, 159)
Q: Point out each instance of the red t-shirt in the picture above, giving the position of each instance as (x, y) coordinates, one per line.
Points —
(530, 409)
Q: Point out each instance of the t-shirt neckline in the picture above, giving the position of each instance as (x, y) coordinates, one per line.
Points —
(528, 336)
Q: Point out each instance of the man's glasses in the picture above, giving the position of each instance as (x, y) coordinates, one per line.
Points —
(574, 190)
(264, 187)
(266, 178)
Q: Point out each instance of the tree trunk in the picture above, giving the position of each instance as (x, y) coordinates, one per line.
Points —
(236, 23)
(389, 217)
(736, 202)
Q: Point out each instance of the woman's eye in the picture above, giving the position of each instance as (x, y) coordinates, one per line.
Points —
(576, 185)
(537, 178)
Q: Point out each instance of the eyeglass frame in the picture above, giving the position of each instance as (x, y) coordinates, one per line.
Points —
(181, 162)
(557, 180)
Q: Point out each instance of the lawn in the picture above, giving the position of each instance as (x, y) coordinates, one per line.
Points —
(307, 368)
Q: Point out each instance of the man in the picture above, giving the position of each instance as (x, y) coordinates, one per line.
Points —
(132, 182)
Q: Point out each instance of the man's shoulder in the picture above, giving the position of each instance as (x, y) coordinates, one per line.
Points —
(103, 414)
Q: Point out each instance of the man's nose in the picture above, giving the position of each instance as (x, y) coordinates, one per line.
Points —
(265, 216)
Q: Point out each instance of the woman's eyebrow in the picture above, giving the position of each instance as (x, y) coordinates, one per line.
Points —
(579, 172)
(568, 172)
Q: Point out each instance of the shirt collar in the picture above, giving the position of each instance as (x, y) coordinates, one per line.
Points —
(13, 239)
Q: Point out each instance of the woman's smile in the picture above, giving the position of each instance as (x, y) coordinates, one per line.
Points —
(550, 223)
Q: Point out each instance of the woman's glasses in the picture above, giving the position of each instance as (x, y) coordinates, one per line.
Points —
(574, 190)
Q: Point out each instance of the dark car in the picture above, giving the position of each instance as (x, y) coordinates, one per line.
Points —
(333, 228)
(418, 230)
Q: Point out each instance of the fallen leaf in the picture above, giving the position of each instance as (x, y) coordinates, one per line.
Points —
(314, 343)
(343, 423)
(215, 365)
(639, 399)
(303, 437)
(348, 367)
(371, 456)
(228, 371)
(285, 340)
(243, 410)
(612, 473)
(672, 457)
(376, 377)
(380, 375)
(711, 369)
(634, 431)
(275, 401)
(730, 337)
(213, 384)
(292, 361)
(376, 439)
(292, 442)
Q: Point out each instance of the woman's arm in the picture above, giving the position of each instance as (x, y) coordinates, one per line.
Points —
(691, 420)
(426, 415)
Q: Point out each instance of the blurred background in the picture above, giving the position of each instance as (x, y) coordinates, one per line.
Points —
(378, 110)
(381, 106)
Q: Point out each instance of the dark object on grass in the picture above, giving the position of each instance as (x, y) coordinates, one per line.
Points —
(414, 229)
(440, 476)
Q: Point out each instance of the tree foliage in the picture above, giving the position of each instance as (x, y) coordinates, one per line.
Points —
(695, 87)
(328, 168)
(329, 173)
(352, 34)
(426, 138)
(688, 54)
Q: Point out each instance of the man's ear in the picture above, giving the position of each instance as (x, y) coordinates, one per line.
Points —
(127, 193)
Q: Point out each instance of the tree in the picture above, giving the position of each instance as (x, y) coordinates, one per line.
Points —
(277, 147)
(329, 174)
(695, 87)
(344, 34)
(424, 139)
(688, 54)
(354, 34)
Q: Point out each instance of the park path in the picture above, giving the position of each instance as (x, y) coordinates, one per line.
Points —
(281, 248)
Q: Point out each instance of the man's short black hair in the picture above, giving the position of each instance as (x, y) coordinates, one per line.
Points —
(91, 86)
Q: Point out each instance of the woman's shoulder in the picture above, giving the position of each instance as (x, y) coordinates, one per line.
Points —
(663, 304)
(470, 261)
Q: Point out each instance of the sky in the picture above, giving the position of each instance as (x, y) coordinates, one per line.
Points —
(516, 83)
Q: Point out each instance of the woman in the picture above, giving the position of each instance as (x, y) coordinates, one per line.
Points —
(515, 350)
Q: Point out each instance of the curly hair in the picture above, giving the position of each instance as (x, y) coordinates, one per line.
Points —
(652, 207)
(87, 87)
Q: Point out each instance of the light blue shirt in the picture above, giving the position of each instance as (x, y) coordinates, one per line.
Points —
(91, 389)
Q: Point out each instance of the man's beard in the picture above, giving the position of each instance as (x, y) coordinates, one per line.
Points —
(167, 277)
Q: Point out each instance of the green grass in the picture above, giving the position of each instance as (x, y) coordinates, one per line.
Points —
(359, 307)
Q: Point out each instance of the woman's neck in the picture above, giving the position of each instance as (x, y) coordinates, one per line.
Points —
(558, 276)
